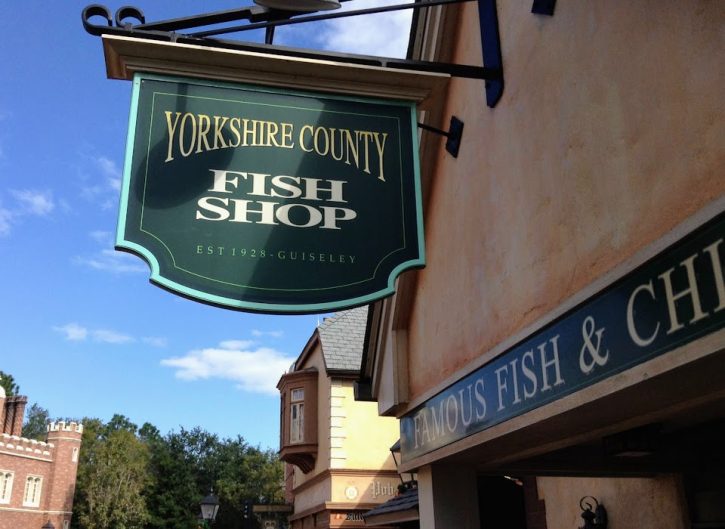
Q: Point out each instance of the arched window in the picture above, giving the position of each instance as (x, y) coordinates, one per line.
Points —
(33, 486)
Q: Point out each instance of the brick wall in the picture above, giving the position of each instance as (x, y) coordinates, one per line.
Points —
(54, 463)
(14, 413)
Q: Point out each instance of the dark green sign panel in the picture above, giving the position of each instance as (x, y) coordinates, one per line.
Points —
(268, 200)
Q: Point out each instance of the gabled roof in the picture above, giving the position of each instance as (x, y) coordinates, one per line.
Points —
(342, 337)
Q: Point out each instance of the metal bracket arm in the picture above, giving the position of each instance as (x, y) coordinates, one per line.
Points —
(263, 18)
(454, 134)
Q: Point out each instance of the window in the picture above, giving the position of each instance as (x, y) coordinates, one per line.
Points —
(298, 425)
(74, 455)
(6, 485)
(33, 486)
(297, 416)
(66, 524)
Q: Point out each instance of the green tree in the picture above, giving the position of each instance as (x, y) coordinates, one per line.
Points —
(132, 477)
(113, 474)
(8, 384)
(174, 495)
(36, 421)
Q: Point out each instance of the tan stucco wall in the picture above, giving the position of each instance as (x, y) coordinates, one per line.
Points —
(609, 133)
(351, 435)
(630, 502)
(367, 437)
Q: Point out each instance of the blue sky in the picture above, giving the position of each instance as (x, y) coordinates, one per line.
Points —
(81, 328)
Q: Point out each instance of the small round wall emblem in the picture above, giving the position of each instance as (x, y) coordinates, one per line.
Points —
(351, 492)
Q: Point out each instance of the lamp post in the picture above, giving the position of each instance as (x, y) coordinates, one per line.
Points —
(209, 507)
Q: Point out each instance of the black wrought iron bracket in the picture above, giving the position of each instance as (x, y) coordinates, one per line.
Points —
(454, 134)
(268, 19)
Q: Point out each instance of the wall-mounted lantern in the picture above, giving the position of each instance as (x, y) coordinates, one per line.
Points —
(593, 512)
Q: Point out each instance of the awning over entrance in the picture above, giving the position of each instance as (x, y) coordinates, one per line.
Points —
(402, 508)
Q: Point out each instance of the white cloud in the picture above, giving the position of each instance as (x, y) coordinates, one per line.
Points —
(73, 332)
(34, 202)
(106, 259)
(6, 218)
(102, 237)
(109, 336)
(111, 171)
(383, 34)
(27, 202)
(104, 189)
(155, 341)
(112, 261)
(272, 334)
(254, 370)
(236, 345)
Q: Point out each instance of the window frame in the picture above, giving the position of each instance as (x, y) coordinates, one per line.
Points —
(37, 483)
(7, 478)
(297, 416)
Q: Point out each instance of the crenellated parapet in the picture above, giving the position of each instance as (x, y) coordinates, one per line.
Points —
(23, 446)
(62, 426)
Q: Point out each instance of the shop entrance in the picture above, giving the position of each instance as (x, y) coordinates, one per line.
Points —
(501, 503)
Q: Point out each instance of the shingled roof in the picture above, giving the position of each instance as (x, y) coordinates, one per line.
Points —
(401, 508)
(342, 337)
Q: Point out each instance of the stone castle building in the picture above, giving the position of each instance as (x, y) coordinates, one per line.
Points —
(37, 479)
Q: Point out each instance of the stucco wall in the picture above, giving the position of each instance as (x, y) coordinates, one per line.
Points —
(630, 502)
(609, 134)
(367, 437)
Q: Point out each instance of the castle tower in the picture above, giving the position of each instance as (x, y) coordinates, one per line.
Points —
(66, 439)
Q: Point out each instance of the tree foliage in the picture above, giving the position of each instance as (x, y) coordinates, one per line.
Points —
(36, 422)
(8, 384)
(171, 474)
(113, 474)
(137, 478)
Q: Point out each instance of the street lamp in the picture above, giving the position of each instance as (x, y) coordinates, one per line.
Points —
(209, 507)
(49, 525)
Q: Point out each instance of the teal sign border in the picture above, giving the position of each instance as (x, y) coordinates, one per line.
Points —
(160, 277)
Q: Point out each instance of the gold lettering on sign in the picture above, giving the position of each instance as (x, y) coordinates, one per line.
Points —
(189, 134)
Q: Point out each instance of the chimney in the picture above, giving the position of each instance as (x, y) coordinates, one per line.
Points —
(14, 413)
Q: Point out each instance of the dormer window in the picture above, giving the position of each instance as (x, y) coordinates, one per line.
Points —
(297, 416)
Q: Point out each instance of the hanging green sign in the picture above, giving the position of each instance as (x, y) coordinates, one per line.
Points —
(268, 200)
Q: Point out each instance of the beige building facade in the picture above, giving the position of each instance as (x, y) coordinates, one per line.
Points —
(337, 450)
(566, 338)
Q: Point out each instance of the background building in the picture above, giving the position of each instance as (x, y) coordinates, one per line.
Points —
(337, 450)
(37, 479)
(566, 338)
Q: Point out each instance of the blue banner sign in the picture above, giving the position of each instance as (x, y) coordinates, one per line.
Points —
(675, 298)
